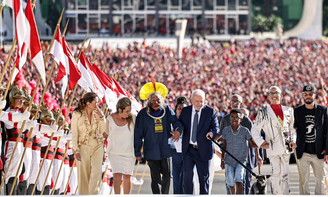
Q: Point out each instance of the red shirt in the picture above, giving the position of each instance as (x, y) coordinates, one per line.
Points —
(278, 111)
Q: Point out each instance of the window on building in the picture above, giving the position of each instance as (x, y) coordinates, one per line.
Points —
(243, 24)
(186, 5)
(220, 24)
(81, 2)
(140, 24)
(117, 24)
(209, 5)
(71, 4)
(104, 4)
(71, 27)
(197, 2)
(82, 22)
(220, 2)
(162, 24)
(104, 23)
(243, 2)
(140, 4)
(93, 25)
(93, 4)
(117, 4)
(162, 4)
(232, 5)
(128, 23)
(172, 19)
(174, 2)
(151, 21)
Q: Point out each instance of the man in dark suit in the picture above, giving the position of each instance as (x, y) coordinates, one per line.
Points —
(311, 124)
(200, 122)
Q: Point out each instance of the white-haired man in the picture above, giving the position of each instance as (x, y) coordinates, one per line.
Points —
(277, 122)
(200, 122)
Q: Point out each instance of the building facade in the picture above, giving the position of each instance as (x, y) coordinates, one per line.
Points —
(157, 17)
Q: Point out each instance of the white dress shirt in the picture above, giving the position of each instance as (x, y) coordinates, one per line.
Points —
(193, 112)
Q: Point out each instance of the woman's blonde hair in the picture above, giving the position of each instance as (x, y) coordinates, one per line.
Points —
(122, 103)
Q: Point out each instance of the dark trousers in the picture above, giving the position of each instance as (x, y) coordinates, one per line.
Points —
(191, 159)
(158, 167)
(177, 172)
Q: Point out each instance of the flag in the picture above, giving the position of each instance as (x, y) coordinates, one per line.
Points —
(27, 36)
(74, 72)
(22, 30)
(86, 81)
(57, 51)
(118, 90)
(35, 46)
(325, 98)
(111, 92)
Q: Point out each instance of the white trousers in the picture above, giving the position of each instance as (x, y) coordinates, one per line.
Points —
(35, 166)
(43, 174)
(13, 167)
(280, 174)
(318, 166)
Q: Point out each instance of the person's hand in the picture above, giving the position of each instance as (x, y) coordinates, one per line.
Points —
(105, 135)
(99, 112)
(259, 161)
(222, 165)
(105, 157)
(176, 135)
(265, 145)
(292, 145)
(325, 157)
(139, 159)
(209, 135)
(78, 156)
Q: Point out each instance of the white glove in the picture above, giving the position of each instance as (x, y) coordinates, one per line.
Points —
(20, 117)
(66, 137)
(3, 104)
(46, 129)
(30, 124)
(58, 133)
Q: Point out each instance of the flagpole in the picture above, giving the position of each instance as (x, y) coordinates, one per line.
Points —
(35, 117)
(52, 160)
(134, 176)
(46, 150)
(61, 165)
(69, 178)
(142, 177)
(103, 178)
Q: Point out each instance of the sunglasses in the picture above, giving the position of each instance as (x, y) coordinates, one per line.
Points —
(234, 118)
(274, 93)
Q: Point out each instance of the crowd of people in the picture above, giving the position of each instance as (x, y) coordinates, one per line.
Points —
(257, 76)
(220, 69)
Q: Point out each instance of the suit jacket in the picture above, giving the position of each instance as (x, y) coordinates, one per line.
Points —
(320, 129)
(267, 120)
(208, 122)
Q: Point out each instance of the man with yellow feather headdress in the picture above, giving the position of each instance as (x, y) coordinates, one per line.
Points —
(153, 125)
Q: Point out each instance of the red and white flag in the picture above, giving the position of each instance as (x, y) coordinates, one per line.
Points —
(118, 90)
(74, 71)
(86, 81)
(35, 46)
(57, 51)
(27, 36)
(111, 92)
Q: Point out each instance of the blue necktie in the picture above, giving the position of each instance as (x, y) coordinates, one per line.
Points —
(194, 128)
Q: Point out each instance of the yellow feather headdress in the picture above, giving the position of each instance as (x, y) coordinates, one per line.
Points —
(151, 87)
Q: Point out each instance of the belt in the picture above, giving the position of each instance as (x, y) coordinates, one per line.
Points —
(193, 146)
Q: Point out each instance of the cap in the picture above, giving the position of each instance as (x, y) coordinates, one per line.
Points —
(308, 88)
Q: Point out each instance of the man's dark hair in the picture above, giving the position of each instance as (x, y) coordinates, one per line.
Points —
(238, 111)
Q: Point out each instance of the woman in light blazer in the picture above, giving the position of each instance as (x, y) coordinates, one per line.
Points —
(88, 124)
